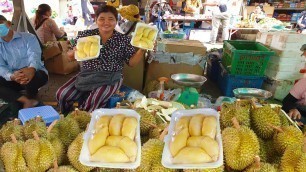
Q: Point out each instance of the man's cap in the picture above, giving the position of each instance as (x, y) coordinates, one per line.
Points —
(303, 48)
(2, 18)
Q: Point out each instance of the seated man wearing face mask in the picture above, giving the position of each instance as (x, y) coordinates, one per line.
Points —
(21, 67)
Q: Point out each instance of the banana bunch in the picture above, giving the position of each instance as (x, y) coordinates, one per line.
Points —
(194, 140)
(144, 37)
(88, 48)
(113, 138)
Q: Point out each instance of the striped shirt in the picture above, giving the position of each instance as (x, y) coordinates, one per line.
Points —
(299, 91)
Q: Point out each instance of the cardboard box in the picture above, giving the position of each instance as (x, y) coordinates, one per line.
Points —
(182, 46)
(134, 76)
(156, 70)
(52, 49)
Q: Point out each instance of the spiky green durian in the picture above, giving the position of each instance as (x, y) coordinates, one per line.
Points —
(293, 160)
(67, 130)
(150, 151)
(82, 117)
(66, 168)
(36, 124)
(289, 136)
(155, 132)
(147, 120)
(219, 169)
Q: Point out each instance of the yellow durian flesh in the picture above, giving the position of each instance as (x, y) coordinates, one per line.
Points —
(98, 140)
(115, 125)
(195, 125)
(151, 35)
(137, 37)
(81, 54)
(209, 127)
(141, 44)
(110, 154)
(113, 140)
(179, 141)
(94, 49)
(183, 122)
(103, 121)
(87, 48)
(140, 30)
(80, 46)
(129, 127)
(129, 147)
(146, 32)
(191, 155)
(211, 147)
(92, 39)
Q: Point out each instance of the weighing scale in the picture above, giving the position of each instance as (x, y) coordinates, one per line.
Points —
(190, 95)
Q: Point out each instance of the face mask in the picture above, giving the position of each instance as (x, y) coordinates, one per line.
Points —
(3, 30)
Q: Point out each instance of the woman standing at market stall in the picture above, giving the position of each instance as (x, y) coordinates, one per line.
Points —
(99, 78)
(295, 102)
(46, 28)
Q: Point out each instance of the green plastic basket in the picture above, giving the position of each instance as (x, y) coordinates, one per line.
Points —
(246, 57)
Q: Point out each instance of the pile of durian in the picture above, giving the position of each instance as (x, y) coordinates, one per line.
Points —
(144, 37)
(87, 48)
(193, 140)
(113, 139)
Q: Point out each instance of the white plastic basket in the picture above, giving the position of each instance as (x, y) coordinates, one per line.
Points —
(167, 157)
(95, 115)
(83, 39)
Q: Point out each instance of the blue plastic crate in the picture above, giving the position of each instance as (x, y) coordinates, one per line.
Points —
(48, 114)
(117, 98)
(227, 82)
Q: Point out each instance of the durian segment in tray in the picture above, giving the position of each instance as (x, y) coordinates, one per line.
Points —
(144, 36)
(112, 139)
(88, 48)
(194, 140)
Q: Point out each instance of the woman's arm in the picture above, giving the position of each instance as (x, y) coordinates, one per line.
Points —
(54, 28)
(289, 103)
(136, 58)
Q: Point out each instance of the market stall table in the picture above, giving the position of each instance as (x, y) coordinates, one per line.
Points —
(185, 19)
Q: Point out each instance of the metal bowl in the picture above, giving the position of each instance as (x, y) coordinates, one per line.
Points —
(252, 92)
(189, 80)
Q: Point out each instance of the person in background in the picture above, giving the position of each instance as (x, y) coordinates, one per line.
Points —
(193, 7)
(295, 102)
(257, 14)
(302, 23)
(130, 17)
(159, 10)
(221, 15)
(21, 67)
(46, 28)
(99, 78)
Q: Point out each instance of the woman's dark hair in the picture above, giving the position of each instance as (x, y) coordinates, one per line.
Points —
(106, 9)
(261, 7)
(42, 10)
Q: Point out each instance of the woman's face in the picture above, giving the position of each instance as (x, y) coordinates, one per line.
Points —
(304, 53)
(257, 10)
(106, 21)
(49, 13)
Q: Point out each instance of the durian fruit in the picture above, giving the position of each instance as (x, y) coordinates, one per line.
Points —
(115, 125)
(92, 39)
(240, 146)
(288, 136)
(195, 125)
(219, 169)
(39, 153)
(209, 145)
(87, 48)
(129, 127)
(81, 54)
(113, 140)
(258, 166)
(262, 118)
(12, 157)
(182, 123)
(57, 144)
(67, 130)
(147, 121)
(151, 35)
(94, 49)
(103, 121)
(209, 127)
(238, 110)
(179, 141)
(37, 125)
(146, 32)
(191, 155)
(294, 159)
(144, 139)
(109, 170)
(129, 147)
(66, 168)
(9, 128)
(154, 133)
(152, 85)
(80, 45)
(82, 117)
(73, 154)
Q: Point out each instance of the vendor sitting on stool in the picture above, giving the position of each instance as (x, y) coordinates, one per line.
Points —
(295, 102)
(21, 67)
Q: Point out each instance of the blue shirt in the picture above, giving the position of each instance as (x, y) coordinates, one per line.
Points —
(22, 51)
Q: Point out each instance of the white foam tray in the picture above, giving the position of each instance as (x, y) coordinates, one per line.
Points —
(95, 115)
(167, 157)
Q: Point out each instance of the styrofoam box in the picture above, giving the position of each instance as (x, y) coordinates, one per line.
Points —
(283, 67)
(48, 114)
(95, 115)
(280, 75)
(167, 157)
(145, 26)
(279, 88)
(287, 41)
(83, 39)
